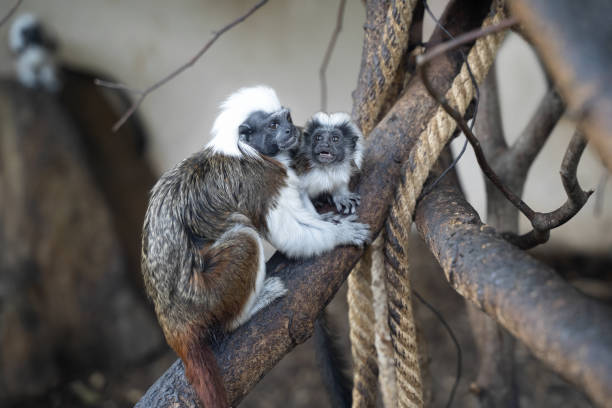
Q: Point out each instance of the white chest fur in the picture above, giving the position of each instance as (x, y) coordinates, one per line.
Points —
(326, 179)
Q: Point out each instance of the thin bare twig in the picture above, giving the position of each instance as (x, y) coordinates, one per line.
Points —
(328, 52)
(422, 64)
(115, 85)
(179, 70)
(10, 12)
(473, 105)
(512, 163)
(465, 38)
(576, 196)
(542, 223)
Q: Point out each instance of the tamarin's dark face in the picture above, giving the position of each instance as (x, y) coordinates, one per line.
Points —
(328, 144)
(33, 35)
(269, 133)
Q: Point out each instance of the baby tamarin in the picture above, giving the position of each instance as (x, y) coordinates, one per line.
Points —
(330, 152)
(35, 54)
(202, 254)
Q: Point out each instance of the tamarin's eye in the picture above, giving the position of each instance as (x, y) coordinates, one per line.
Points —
(335, 138)
(318, 138)
(274, 125)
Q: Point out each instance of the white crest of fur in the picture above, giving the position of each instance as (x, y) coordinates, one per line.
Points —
(234, 111)
(22, 22)
(332, 120)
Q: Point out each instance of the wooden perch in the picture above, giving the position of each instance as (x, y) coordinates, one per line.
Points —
(573, 39)
(253, 349)
(569, 332)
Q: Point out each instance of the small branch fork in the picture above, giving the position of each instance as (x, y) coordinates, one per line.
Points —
(541, 223)
(328, 53)
(143, 93)
(10, 13)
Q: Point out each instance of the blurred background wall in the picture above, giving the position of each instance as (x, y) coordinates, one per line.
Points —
(282, 45)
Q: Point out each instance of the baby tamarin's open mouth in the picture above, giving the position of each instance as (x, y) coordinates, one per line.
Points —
(326, 157)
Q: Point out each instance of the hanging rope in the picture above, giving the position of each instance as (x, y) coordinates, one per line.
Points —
(382, 337)
(365, 309)
(383, 63)
(427, 149)
(361, 333)
(401, 319)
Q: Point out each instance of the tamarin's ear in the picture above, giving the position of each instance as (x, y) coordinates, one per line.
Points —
(244, 131)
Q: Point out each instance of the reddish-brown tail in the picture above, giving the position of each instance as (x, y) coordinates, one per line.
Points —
(203, 373)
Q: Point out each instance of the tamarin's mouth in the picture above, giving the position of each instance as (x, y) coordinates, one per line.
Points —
(326, 157)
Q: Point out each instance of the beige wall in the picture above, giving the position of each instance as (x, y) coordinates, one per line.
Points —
(282, 45)
(139, 41)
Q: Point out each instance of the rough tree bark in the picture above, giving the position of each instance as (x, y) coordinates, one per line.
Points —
(496, 383)
(568, 331)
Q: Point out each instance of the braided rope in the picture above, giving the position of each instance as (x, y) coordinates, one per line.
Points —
(361, 333)
(401, 319)
(384, 61)
(427, 149)
(384, 348)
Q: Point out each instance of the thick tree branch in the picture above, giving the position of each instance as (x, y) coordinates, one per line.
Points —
(574, 41)
(569, 332)
(376, 11)
(253, 349)
(489, 124)
(528, 145)
(383, 69)
(539, 221)
(143, 94)
(495, 385)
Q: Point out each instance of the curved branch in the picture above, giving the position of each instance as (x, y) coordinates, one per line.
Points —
(541, 223)
(529, 143)
(576, 196)
(569, 332)
(576, 199)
